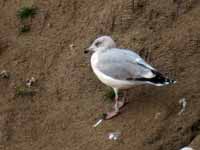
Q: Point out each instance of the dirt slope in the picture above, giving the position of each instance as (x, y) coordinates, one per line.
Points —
(69, 97)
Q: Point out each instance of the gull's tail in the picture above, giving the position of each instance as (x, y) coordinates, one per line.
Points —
(158, 79)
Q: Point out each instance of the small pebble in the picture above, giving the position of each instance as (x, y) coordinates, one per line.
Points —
(4, 74)
(49, 25)
(30, 82)
(157, 115)
(183, 104)
(71, 46)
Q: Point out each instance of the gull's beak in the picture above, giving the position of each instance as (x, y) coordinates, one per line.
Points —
(88, 50)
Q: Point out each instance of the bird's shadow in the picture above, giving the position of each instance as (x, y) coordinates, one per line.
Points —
(149, 98)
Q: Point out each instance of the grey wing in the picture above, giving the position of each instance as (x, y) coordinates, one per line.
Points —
(120, 65)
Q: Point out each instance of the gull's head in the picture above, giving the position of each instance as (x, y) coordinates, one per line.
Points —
(101, 43)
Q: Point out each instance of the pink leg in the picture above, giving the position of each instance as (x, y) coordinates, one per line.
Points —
(125, 98)
(115, 112)
(123, 102)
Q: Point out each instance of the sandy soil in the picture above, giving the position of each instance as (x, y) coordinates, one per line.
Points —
(69, 97)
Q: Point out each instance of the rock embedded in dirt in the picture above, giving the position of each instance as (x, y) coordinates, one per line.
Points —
(30, 82)
(183, 104)
(4, 74)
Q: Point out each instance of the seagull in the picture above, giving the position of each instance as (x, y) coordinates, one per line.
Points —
(121, 69)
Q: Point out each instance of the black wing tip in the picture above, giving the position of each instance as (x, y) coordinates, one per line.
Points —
(158, 79)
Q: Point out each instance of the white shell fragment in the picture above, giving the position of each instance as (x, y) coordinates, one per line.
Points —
(98, 122)
(114, 135)
(30, 82)
(186, 148)
(183, 104)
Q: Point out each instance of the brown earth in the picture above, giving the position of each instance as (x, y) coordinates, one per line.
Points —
(68, 95)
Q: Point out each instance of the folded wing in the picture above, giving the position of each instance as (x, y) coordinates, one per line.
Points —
(123, 65)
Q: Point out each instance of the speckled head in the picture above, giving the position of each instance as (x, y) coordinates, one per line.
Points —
(101, 43)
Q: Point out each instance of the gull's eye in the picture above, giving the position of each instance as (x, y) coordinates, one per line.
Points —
(97, 44)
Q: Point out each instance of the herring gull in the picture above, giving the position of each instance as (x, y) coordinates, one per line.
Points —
(121, 69)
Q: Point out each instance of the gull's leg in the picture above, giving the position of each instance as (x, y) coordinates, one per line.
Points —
(123, 101)
(125, 97)
(116, 100)
(115, 112)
